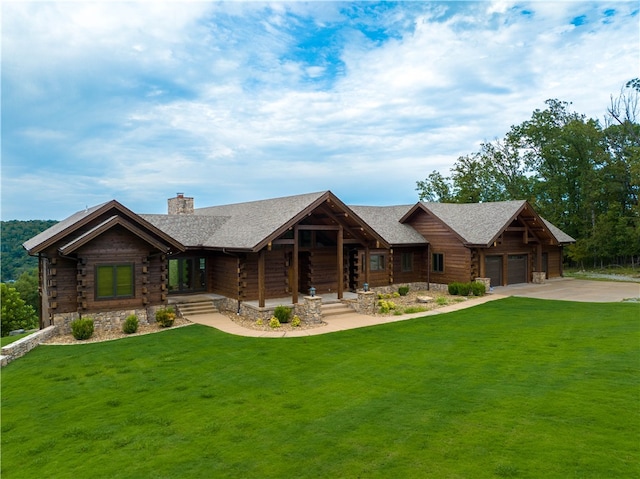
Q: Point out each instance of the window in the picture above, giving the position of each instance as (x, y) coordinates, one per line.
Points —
(437, 262)
(114, 281)
(407, 262)
(376, 262)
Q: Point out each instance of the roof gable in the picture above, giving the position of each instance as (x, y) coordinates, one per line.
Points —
(252, 225)
(480, 224)
(72, 228)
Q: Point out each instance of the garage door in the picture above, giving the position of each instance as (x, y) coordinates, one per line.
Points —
(517, 269)
(493, 269)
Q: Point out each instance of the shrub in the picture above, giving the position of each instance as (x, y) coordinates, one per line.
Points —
(478, 288)
(274, 322)
(460, 289)
(82, 328)
(295, 322)
(259, 322)
(403, 290)
(165, 317)
(283, 313)
(130, 324)
(386, 306)
(464, 289)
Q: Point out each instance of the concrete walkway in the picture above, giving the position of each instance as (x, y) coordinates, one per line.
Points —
(562, 289)
(567, 289)
(334, 324)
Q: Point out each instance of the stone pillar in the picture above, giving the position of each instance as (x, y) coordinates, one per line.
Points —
(487, 283)
(539, 277)
(366, 302)
(313, 309)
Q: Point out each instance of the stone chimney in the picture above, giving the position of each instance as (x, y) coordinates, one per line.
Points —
(180, 205)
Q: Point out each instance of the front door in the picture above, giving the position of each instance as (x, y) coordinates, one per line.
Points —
(187, 275)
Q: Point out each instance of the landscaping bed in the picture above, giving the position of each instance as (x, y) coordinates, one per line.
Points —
(100, 335)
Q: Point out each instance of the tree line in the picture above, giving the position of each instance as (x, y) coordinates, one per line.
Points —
(19, 299)
(578, 173)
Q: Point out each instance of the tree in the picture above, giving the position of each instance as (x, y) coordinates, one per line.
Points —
(580, 176)
(27, 285)
(435, 188)
(14, 312)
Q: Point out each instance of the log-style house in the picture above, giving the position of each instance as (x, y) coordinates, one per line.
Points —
(107, 259)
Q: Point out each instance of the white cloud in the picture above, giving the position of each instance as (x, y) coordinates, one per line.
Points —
(233, 99)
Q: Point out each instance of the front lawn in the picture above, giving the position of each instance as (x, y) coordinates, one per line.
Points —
(513, 388)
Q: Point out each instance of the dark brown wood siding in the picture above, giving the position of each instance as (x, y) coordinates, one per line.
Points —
(554, 261)
(323, 274)
(457, 257)
(118, 246)
(419, 268)
(224, 274)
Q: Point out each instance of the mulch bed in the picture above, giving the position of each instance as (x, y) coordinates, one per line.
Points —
(401, 302)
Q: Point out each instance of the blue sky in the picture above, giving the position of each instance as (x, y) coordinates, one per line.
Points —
(239, 101)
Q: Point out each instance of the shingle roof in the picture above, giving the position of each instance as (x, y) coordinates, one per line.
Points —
(60, 227)
(481, 223)
(561, 236)
(386, 221)
(238, 225)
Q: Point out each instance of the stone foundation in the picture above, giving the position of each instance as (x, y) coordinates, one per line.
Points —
(105, 321)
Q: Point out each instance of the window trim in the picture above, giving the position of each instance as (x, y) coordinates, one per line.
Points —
(437, 262)
(382, 262)
(114, 281)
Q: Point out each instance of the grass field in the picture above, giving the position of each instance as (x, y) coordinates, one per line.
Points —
(512, 388)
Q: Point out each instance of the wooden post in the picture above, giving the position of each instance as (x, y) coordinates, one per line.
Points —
(261, 279)
(539, 257)
(367, 264)
(505, 269)
(481, 266)
(340, 262)
(296, 268)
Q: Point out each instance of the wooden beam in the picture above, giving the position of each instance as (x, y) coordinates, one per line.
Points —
(295, 287)
(319, 227)
(340, 263)
(261, 279)
(367, 264)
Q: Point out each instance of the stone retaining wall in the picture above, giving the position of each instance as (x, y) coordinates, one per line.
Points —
(106, 321)
(22, 346)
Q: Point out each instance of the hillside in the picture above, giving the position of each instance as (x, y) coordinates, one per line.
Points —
(14, 258)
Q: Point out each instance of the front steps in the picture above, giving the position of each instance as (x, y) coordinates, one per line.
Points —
(331, 310)
(196, 307)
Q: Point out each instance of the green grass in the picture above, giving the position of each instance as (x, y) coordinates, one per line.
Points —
(512, 388)
(12, 339)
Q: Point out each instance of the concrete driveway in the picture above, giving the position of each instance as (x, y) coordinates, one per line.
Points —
(570, 289)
